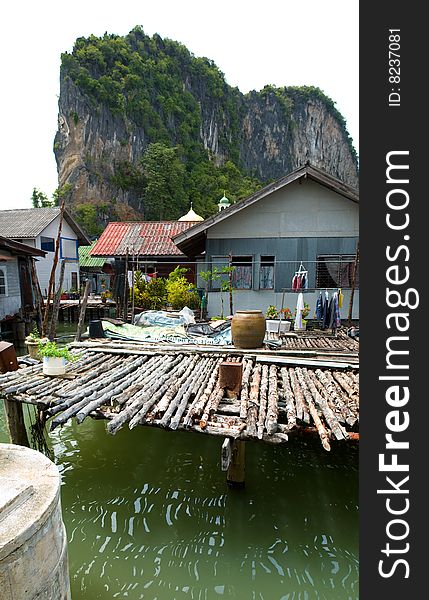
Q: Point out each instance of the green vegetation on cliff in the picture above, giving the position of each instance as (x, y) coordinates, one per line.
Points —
(161, 89)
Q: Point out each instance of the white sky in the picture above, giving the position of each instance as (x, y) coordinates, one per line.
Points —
(252, 42)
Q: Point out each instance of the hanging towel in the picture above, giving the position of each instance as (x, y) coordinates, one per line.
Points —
(326, 311)
(319, 307)
(340, 298)
(306, 281)
(334, 313)
(294, 282)
(299, 309)
(337, 317)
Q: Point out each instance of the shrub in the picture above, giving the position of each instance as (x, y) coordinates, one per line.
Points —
(50, 349)
(272, 312)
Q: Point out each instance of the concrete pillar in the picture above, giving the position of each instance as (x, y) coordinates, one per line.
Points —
(33, 543)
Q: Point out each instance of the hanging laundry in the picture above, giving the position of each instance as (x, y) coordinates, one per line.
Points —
(326, 311)
(294, 282)
(340, 298)
(319, 307)
(299, 309)
(334, 313)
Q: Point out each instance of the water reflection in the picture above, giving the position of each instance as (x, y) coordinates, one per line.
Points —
(148, 515)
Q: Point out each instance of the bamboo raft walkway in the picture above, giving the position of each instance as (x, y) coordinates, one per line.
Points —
(180, 388)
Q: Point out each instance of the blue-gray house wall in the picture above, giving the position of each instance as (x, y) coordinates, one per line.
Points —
(300, 222)
(288, 253)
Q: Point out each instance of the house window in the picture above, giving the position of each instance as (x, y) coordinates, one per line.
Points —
(3, 282)
(47, 243)
(242, 274)
(69, 248)
(336, 270)
(266, 273)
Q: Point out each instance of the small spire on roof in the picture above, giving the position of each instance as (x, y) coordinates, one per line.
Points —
(191, 216)
(223, 202)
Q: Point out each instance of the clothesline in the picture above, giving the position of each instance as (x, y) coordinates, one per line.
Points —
(322, 289)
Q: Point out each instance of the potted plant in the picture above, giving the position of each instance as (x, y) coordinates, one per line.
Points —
(274, 324)
(54, 358)
(32, 342)
(64, 296)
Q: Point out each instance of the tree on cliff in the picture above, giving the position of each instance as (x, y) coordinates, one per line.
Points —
(164, 173)
(40, 199)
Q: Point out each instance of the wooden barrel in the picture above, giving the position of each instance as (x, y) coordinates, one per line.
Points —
(248, 329)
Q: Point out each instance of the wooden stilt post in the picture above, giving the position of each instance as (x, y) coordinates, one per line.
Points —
(13, 410)
(236, 472)
(15, 423)
(82, 311)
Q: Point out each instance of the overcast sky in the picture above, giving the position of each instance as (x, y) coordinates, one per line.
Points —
(252, 42)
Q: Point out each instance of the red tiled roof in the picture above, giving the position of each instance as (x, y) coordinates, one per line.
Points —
(147, 238)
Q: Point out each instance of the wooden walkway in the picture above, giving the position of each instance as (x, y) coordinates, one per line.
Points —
(178, 388)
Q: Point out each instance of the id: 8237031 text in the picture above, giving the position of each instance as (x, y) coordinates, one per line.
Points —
(394, 67)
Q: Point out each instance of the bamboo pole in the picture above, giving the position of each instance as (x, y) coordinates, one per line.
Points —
(82, 312)
(252, 411)
(263, 399)
(56, 303)
(53, 270)
(37, 292)
(273, 408)
(244, 396)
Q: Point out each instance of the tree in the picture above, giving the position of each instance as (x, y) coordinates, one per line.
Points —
(164, 195)
(40, 199)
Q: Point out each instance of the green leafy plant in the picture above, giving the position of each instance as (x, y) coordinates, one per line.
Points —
(180, 292)
(51, 350)
(272, 312)
(305, 311)
(35, 335)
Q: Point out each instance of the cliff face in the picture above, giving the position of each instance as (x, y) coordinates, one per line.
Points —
(102, 137)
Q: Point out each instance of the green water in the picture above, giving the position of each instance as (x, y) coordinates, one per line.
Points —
(148, 515)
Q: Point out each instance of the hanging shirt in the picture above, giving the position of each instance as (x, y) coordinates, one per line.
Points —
(334, 313)
(340, 298)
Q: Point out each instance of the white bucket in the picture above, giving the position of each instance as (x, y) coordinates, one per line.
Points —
(273, 326)
(54, 365)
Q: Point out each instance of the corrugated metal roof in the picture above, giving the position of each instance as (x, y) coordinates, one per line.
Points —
(26, 222)
(147, 238)
(17, 248)
(86, 260)
(30, 222)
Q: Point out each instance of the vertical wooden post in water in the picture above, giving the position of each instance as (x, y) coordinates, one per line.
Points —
(82, 311)
(236, 472)
(13, 410)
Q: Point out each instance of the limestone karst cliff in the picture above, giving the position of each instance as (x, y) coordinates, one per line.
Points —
(120, 95)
